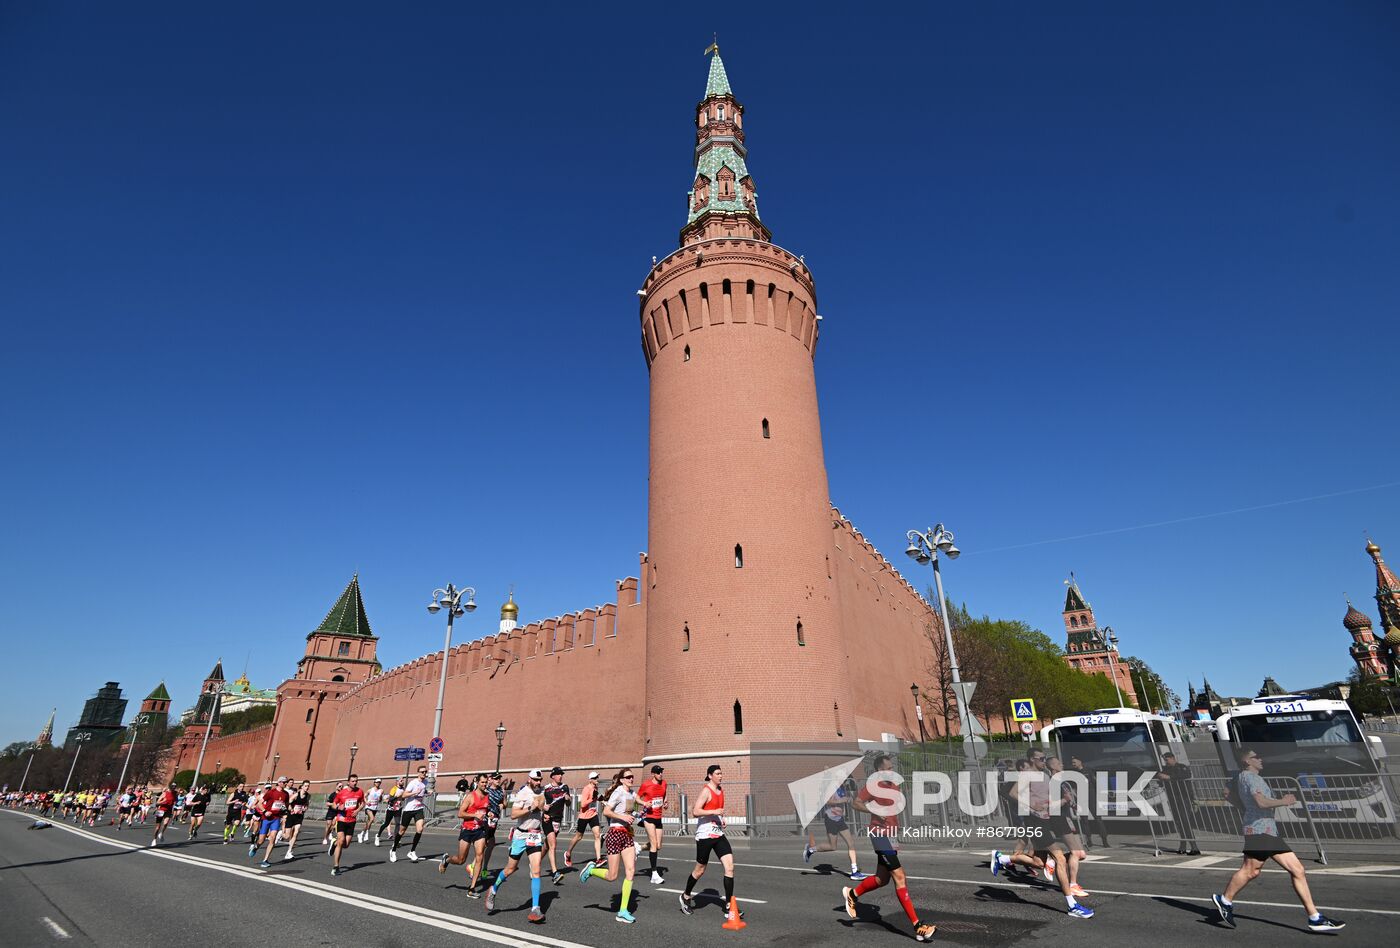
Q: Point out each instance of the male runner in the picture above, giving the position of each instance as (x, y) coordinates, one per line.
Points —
(884, 830)
(708, 811)
(165, 809)
(199, 803)
(373, 797)
(414, 813)
(275, 801)
(348, 801)
(1043, 832)
(587, 819)
(472, 836)
(526, 839)
(393, 806)
(332, 815)
(125, 803)
(557, 797)
(233, 812)
(495, 800)
(837, 830)
(652, 794)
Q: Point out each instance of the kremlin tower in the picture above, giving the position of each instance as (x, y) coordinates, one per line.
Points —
(45, 738)
(1086, 648)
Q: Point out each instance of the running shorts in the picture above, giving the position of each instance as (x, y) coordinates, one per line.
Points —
(196, 811)
(294, 819)
(587, 823)
(472, 835)
(618, 839)
(409, 817)
(519, 845)
(834, 827)
(1263, 846)
(886, 854)
(653, 821)
(719, 846)
(162, 813)
(346, 827)
(270, 826)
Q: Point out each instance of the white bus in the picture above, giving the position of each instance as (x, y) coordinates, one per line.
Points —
(1117, 741)
(1316, 742)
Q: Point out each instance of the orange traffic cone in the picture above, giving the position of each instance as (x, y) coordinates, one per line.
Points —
(732, 921)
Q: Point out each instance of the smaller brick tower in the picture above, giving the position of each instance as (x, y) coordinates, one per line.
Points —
(1086, 648)
(155, 710)
(46, 735)
(204, 717)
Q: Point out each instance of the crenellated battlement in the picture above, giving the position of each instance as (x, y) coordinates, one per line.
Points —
(845, 529)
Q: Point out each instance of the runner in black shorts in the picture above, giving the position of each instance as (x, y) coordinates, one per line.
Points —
(297, 806)
(233, 813)
(709, 838)
(332, 812)
(472, 836)
(557, 797)
(199, 804)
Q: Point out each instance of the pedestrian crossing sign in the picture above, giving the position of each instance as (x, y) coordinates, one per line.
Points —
(1023, 709)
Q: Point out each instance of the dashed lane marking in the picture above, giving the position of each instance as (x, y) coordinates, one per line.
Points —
(736, 898)
(55, 928)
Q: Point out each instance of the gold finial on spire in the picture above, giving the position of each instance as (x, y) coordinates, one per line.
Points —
(713, 47)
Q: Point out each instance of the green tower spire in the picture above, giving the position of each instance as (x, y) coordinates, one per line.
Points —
(719, 81)
(347, 616)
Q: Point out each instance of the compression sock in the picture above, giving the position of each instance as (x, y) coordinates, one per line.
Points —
(690, 881)
(416, 838)
(728, 889)
(868, 884)
(535, 891)
(398, 838)
(651, 854)
(626, 894)
(908, 904)
(500, 881)
(598, 871)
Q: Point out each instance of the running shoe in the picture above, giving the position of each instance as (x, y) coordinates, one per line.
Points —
(1226, 909)
(857, 875)
(153, 843)
(535, 915)
(490, 900)
(1324, 924)
(557, 878)
(473, 894)
(586, 871)
(924, 932)
(687, 904)
(412, 856)
(996, 862)
(252, 851)
(656, 878)
(1078, 891)
(393, 855)
(849, 896)
(568, 860)
(442, 863)
(335, 870)
(626, 917)
(1050, 869)
(264, 865)
(288, 857)
(1080, 911)
(807, 849)
(376, 840)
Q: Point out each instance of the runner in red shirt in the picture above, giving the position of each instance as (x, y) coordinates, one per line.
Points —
(884, 831)
(347, 802)
(472, 812)
(275, 801)
(652, 795)
(165, 809)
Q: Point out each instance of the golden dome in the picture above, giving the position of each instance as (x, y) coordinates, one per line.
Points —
(509, 610)
(1371, 547)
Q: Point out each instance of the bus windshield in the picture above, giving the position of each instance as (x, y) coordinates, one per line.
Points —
(1326, 742)
(1125, 745)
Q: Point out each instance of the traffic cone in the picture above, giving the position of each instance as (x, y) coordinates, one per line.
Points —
(732, 921)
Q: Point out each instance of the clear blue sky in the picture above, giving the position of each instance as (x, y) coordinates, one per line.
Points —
(292, 291)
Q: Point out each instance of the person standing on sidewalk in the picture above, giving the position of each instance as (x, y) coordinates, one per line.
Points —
(1262, 843)
(1176, 778)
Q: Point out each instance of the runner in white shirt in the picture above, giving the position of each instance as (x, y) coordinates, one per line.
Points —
(414, 813)
(373, 796)
(618, 843)
(527, 807)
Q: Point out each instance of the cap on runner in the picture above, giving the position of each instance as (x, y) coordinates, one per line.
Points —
(557, 770)
(536, 775)
(593, 775)
(657, 769)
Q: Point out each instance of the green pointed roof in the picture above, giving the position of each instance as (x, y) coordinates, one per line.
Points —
(160, 694)
(347, 616)
(719, 81)
(1074, 599)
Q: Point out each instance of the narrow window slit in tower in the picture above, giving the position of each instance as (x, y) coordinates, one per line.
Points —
(738, 556)
(765, 427)
(687, 354)
(801, 639)
(686, 647)
(738, 718)
(836, 710)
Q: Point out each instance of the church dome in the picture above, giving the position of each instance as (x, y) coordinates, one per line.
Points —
(509, 610)
(1371, 548)
(1356, 620)
(1392, 638)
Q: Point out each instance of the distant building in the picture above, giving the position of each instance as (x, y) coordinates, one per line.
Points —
(45, 738)
(241, 696)
(1086, 647)
(1376, 657)
(101, 721)
(154, 715)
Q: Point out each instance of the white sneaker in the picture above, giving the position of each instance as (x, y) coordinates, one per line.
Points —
(638, 847)
(393, 856)
(376, 840)
(361, 837)
(412, 856)
(656, 878)
(288, 857)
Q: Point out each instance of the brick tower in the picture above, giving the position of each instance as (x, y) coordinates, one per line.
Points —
(737, 578)
(1086, 649)
(155, 709)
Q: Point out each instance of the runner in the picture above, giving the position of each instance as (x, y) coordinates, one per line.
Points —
(526, 839)
(274, 808)
(165, 809)
(653, 795)
(557, 797)
(708, 811)
(373, 797)
(413, 812)
(472, 813)
(125, 803)
(884, 830)
(495, 800)
(252, 814)
(1067, 828)
(181, 802)
(328, 838)
(1044, 832)
(348, 801)
(297, 805)
(233, 812)
(618, 843)
(199, 804)
(837, 830)
(587, 819)
(1262, 842)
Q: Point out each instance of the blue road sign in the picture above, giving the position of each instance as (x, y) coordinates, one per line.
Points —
(417, 753)
(403, 753)
(1023, 709)
(436, 745)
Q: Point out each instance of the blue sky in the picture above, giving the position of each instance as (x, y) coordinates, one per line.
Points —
(291, 291)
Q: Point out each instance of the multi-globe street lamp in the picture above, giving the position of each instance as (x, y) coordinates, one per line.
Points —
(1110, 644)
(354, 749)
(919, 712)
(924, 547)
(500, 742)
(81, 738)
(451, 599)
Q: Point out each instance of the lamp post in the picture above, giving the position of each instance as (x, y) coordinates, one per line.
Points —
(208, 726)
(354, 749)
(135, 734)
(1111, 646)
(451, 600)
(80, 739)
(275, 758)
(32, 749)
(924, 548)
(918, 712)
(500, 740)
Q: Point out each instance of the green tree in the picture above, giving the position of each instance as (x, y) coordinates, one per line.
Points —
(247, 719)
(1152, 692)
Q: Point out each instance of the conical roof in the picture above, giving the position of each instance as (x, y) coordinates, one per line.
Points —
(218, 673)
(160, 694)
(347, 616)
(1385, 578)
(718, 83)
(1074, 599)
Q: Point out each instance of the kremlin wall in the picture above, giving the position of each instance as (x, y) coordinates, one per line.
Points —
(758, 613)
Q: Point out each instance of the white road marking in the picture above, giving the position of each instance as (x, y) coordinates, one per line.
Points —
(1203, 861)
(54, 927)
(736, 898)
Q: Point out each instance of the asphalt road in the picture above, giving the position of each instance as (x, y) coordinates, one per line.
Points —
(65, 885)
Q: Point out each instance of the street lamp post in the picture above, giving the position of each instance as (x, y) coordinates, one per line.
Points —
(135, 735)
(354, 749)
(924, 548)
(1111, 646)
(500, 740)
(919, 712)
(450, 599)
(275, 758)
(33, 748)
(208, 726)
(80, 739)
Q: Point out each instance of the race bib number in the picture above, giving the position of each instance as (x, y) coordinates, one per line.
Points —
(160, 813)
(709, 831)
(534, 838)
(351, 805)
(278, 807)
